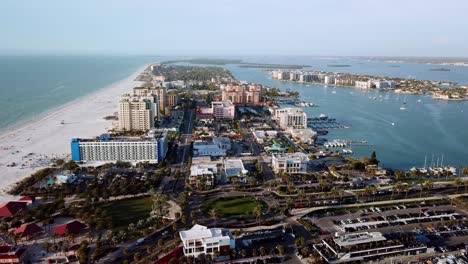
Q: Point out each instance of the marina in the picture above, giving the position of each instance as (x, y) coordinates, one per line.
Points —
(324, 123)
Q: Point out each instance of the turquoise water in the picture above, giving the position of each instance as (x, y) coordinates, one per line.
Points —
(427, 128)
(31, 85)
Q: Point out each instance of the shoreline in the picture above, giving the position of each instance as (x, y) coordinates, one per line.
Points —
(395, 91)
(32, 144)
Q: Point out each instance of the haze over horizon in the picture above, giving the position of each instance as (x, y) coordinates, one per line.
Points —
(226, 27)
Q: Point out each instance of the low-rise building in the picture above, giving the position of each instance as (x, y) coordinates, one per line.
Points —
(151, 148)
(203, 174)
(290, 162)
(202, 240)
(12, 254)
(223, 142)
(203, 148)
(235, 168)
(367, 246)
(384, 84)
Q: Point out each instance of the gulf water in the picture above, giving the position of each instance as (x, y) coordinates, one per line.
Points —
(33, 85)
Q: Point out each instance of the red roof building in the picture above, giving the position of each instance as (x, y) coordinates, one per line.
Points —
(11, 255)
(27, 230)
(12, 208)
(27, 199)
(74, 227)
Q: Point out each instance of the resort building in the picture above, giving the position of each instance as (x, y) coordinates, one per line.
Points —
(160, 92)
(151, 148)
(290, 162)
(235, 168)
(291, 118)
(135, 113)
(223, 110)
(202, 240)
(239, 93)
(367, 246)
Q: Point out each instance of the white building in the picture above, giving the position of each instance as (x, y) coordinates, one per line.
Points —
(365, 247)
(223, 142)
(135, 113)
(306, 135)
(290, 162)
(202, 240)
(329, 79)
(363, 84)
(152, 148)
(384, 84)
(223, 110)
(235, 168)
(202, 148)
(206, 174)
(291, 118)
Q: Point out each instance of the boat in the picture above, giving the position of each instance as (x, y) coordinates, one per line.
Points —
(62, 122)
(393, 124)
(419, 100)
(402, 108)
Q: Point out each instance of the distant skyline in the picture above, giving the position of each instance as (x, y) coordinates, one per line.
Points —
(236, 27)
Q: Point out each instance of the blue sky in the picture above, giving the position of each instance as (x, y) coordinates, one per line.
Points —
(236, 27)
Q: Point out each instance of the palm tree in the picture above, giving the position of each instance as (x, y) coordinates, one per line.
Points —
(334, 192)
(458, 182)
(428, 185)
(213, 215)
(257, 212)
(405, 188)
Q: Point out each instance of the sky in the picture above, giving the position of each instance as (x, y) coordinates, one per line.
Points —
(236, 27)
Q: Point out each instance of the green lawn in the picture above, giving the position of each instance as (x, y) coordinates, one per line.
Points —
(124, 212)
(231, 207)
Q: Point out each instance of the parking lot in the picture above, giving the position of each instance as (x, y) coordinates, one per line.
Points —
(441, 224)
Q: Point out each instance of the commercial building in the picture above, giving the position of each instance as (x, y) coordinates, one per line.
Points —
(305, 135)
(203, 148)
(151, 148)
(290, 162)
(235, 168)
(223, 142)
(172, 99)
(202, 240)
(205, 174)
(135, 113)
(291, 118)
(367, 246)
(223, 110)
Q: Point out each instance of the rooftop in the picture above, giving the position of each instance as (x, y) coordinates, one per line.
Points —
(207, 234)
(359, 238)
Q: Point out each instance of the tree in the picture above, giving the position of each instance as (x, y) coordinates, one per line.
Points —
(213, 214)
(160, 205)
(281, 250)
(257, 212)
(373, 159)
(262, 251)
(137, 257)
(458, 183)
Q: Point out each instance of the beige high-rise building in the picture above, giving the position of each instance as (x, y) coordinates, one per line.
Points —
(239, 93)
(136, 113)
(172, 99)
(160, 92)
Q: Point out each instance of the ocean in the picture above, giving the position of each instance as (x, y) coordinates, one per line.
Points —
(32, 85)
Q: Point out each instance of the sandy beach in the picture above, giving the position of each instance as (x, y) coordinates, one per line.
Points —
(32, 145)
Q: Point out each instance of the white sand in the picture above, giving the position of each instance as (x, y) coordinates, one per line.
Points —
(47, 138)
